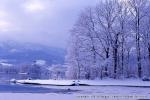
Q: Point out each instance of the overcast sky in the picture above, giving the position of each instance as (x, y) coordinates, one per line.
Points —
(39, 21)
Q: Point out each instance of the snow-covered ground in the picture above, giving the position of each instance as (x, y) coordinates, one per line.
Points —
(98, 90)
(85, 93)
(108, 82)
(47, 82)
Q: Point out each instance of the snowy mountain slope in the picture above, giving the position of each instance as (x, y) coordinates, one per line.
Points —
(16, 53)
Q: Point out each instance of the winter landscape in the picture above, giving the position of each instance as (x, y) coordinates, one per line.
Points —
(75, 50)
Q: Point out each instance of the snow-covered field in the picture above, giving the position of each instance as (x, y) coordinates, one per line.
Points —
(85, 93)
(47, 82)
(100, 90)
(108, 82)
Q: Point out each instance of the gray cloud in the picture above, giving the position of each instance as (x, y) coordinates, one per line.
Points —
(39, 21)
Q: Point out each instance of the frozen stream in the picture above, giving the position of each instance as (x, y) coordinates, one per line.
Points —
(39, 92)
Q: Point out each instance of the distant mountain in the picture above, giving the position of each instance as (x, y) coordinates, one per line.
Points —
(17, 53)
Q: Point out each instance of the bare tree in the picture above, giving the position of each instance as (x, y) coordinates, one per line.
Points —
(102, 40)
(137, 12)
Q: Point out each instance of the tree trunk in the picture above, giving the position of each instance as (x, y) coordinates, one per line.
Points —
(106, 67)
(149, 60)
(122, 56)
(115, 55)
(128, 67)
(115, 62)
(138, 44)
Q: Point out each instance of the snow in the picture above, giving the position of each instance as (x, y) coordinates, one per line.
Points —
(23, 73)
(28, 96)
(132, 83)
(117, 83)
(85, 93)
(47, 82)
(113, 89)
(14, 50)
(6, 64)
(40, 62)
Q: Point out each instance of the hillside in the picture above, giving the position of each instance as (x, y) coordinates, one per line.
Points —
(16, 53)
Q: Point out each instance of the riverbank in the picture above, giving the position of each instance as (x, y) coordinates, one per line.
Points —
(108, 82)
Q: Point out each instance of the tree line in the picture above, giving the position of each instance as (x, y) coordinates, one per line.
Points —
(111, 39)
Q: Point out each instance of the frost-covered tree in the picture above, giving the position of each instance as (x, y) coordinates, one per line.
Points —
(108, 40)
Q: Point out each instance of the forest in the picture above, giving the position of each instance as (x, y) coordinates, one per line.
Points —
(110, 40)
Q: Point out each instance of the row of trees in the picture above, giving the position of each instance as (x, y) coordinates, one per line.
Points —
(32, 71)
(24, 71)
(111, 39)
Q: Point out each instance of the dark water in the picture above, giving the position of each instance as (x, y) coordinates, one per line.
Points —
(6, 87)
